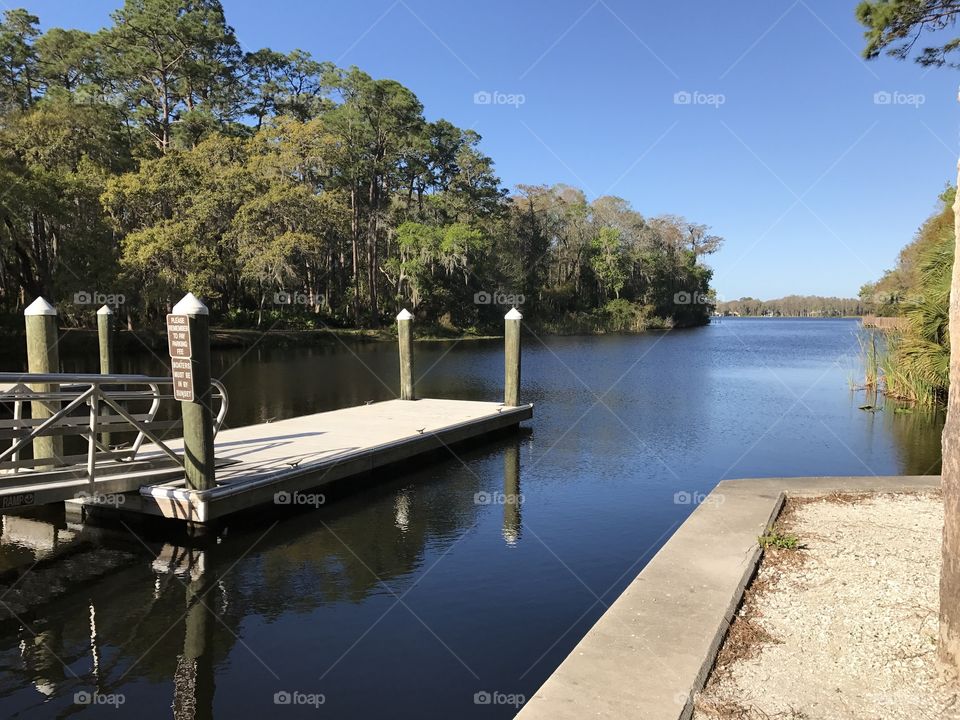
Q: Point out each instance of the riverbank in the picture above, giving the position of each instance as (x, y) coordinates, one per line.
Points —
(80, 341)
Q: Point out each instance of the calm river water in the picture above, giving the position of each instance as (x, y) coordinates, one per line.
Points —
(410, 598)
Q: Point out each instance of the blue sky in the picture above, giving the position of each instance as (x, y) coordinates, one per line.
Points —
(783, 146)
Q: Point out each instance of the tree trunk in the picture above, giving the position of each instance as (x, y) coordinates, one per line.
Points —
(354, 238)
(949, 648)
(374, 202)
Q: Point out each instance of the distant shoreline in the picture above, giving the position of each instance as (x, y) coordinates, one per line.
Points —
(82, 340)
(788, 317)
(75, 341)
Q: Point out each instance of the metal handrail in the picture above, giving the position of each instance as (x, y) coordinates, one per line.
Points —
(77, 389)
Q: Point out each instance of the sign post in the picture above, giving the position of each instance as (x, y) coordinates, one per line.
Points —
(181, 353)
(188, 337)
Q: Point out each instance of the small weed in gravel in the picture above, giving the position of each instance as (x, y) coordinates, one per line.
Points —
(781, 541)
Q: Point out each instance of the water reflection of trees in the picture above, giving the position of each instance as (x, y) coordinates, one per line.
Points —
(171, 612)
(916, 433)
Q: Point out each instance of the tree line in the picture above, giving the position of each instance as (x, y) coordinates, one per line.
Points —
(793, 306)
(156, 156)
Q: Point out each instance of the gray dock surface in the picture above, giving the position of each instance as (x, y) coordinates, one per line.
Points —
(306, 452)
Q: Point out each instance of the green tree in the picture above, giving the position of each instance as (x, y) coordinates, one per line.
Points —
(169, 58)
(176, 214)
(379, 122)
(291, 84)
(284, 236)
(18, 74)
(608, 262)
(70, 60)
(896, 26)
(154, 156)
(55, 159)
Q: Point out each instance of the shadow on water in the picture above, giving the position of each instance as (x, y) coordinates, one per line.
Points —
(142, 615)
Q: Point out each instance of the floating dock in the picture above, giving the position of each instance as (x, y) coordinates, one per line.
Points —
(276, 462)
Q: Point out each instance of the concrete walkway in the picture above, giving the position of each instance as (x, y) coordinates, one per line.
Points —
(652, 650)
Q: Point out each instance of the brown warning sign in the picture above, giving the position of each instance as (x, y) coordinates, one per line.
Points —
(182, 369)
(178, 336)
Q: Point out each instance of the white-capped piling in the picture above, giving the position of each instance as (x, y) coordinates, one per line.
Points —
(405, 337)
(511, 355)
(43, 357)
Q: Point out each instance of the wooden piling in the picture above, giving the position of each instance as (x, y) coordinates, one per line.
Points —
(194, 675)
(105, 337)
(511, 337)
(405, 336)
(43, 357)
(512, 499)
(198, 413)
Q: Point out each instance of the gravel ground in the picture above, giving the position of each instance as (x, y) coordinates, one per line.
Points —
(845, 627)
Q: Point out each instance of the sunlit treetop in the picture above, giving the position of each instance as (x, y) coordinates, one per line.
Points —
(900, 26)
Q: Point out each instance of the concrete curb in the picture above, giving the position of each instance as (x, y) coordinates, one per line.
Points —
(652, 650)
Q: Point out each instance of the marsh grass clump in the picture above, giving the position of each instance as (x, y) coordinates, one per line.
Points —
(868, 351)
(779, 540)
